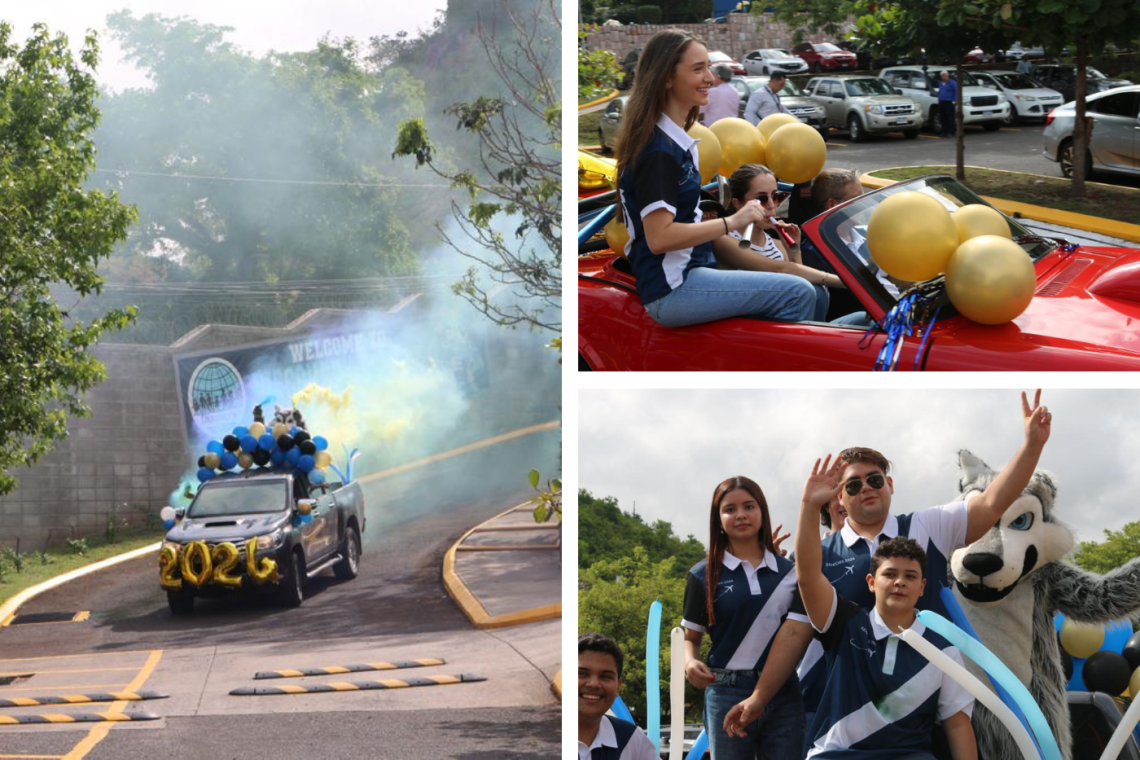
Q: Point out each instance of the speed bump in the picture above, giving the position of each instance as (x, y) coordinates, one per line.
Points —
(77, 699)
(333, 670)
(388, 683)
(17, 720)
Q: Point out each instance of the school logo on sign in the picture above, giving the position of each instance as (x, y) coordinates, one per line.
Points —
(216, 397)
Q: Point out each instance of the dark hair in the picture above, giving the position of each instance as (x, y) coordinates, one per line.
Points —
(900, 546)
(741, 179)
(647, 99)
(724, 72)
(864, 454)
(777, 75)
(718, 539)
(596, 642)
(825, 515)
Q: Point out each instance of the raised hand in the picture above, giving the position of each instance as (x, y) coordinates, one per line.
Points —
(823, 483)
(777, 539)
(1038, 420)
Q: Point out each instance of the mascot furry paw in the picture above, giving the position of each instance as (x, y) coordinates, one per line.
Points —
(1011, 581)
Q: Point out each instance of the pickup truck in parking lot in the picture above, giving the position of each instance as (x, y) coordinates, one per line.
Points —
(865, 105)
(981, 106)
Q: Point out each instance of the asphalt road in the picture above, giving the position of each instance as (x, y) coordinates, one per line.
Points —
(396, 609)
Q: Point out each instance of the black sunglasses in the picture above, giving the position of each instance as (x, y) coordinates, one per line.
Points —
(778, 197)
(855, 485)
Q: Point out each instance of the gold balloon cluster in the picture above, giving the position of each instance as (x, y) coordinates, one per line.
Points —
(740, 144)
(989, 278)
(796, 152)
(197, 564)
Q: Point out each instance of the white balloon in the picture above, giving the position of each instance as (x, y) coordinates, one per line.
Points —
(167, 514)
(943, 662)
(677, 694)
(1122, 732)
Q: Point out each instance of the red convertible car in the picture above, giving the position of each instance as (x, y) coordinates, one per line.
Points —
(1085, 313)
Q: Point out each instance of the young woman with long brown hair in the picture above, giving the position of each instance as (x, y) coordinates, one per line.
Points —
(740, 594)
(659, 188)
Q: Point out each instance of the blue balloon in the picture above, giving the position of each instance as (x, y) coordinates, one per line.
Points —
(168, 524)
(229, 461)
(204, 474)
(277, 456)
(294, 430)
(621, 711)
(215, 447)
(652, 674)
(292, 455)
(296, 521)
(1077, 682)
(316, 477)
(320, 442)
(700, 746)
(266, 441)
(248, 443)
(306, 519)
(241, 431)
(1116, 635)
(305, 462)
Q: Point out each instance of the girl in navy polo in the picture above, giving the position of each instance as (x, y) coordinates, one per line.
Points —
(659, 188)
(740, 594)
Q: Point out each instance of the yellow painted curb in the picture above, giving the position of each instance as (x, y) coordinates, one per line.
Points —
(604, 99)
(473, 608)
(1122, 230)
(9, 609)
(556, 686)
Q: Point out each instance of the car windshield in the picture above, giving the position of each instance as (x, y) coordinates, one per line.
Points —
(1093, 73)
(240, 497)
(967, 78)
(827, 47)
(774, 54)
(789, 87)
(716, 57)
(868, 86)
(844, 230)
(1016, 82)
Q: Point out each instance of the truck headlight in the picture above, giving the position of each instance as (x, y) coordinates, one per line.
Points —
(873, 109)
(271, 540)
(1026, 98)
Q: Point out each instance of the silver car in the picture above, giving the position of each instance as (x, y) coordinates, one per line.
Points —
(865, 105)
(768, 60)
(791, 97)
(1115, 143)
(1028, 99)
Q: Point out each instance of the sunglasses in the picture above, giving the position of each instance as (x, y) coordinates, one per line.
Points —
(778, 197)
(855, 485)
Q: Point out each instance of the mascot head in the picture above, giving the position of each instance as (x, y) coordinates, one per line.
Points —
(1026, 537)
(290, 417)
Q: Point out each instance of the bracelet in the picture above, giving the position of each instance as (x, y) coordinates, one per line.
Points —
(725, 224)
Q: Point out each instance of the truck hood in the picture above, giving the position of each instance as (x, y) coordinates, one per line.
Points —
(883, 100)
(235, 528)
(798, 101)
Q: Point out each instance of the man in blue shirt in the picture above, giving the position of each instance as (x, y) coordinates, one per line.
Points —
(947, 99)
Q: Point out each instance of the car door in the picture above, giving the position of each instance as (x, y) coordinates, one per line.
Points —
(754, 63)
(826, 93)
(611, 122)
(1114, 137)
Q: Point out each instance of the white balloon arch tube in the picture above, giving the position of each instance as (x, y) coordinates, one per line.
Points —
(676, 694)
(1123, 731)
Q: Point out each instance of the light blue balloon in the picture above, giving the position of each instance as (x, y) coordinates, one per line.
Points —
(316, 477)
(241, 431)
(997, 671)
(653, 675)
(700, 746)
(216, 447)
(621, 711)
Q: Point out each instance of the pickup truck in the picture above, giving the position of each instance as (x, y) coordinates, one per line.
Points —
(262, 530)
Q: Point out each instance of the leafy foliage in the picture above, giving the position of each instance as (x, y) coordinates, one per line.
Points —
(52, 231)
(606, 533)
(598, 70)
(1119, 548)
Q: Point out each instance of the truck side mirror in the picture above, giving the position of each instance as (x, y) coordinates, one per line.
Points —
(179, 513)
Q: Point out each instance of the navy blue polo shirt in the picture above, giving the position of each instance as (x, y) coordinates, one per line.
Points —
(750, 605)
(618, 740)
(664, 176)
(882, 697)
(847, 562)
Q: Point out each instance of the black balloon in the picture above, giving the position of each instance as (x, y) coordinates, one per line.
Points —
(302, 435)
(307, 447)
(1132, 651)
(261, 457)
(1107, 672)
(285, 442)
(231, 443)
(202, 461)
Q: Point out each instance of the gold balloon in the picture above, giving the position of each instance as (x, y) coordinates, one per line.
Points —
(245, 461)
(323, 459)
(280, 429)
(769, 124)
(261, 570)
(911, 236)
(212, 460)
(796, 152)
(196, 573)
(991, 280)
(616, 235)
(595, 172)
(1080, 639)
(708, 151)
(976, 219)
(740, 144)
(225, 557)
(1134, 684)
(167, 569)
(257, 430)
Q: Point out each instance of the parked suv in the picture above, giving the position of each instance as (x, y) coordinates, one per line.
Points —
(768, 60)
(791, 97)
(980, 105)
(1027, 98)
(865, 105)
(1115, 142)
(1063, 79)
(823, 56)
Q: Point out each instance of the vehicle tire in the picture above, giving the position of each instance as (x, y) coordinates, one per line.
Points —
(1012, 118)
(910, 134)
(1065, 158)
(181, 602)
(349, 567)
(855, 127)
(935, 122)
(991, 126)
(292, 591)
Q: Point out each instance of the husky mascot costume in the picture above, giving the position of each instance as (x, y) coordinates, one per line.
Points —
(1011, 581)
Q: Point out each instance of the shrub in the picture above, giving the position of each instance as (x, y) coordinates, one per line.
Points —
(649, 14)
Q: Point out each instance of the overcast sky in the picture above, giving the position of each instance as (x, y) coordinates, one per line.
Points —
(259, 25)
(669, 449)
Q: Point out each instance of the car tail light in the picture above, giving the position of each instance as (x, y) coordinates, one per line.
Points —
(1049, 116)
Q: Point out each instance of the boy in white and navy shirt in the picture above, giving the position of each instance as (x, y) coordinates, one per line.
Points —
(600, 736)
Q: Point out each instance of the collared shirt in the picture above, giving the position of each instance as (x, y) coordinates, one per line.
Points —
(763, 103)
(1024, 66)
(882, 697)
(724, 102)
(627, 742)
(947, 91)
(664, 176)
(750, 605)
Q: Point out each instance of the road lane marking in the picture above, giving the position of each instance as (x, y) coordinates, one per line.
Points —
(76, 656)
(69, 670)
(99, 732)
(9, 689)
(837, 145)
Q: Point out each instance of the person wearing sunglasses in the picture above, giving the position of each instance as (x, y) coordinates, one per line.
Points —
(765, 252)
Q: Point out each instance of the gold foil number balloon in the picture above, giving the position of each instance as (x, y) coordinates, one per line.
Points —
(196, 572)
(769, 124)
(167, 567)
(991, 280)
(975, 219)
(263, 570)
(225, 558)
(1081, 639)
(740, 144)
(911, 236)
(796, 152)
(708, 151)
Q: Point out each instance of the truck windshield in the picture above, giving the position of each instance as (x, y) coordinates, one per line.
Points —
(240, 498)
(857, 87)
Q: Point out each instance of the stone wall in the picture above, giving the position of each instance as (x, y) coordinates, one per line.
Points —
(742, 33)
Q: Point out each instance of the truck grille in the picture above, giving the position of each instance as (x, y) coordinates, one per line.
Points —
(898, 110)
(984, 100)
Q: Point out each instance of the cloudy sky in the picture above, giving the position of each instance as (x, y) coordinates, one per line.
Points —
(259, 25)
(667, 450)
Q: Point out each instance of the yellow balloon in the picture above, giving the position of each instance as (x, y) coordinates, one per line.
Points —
(245, 461)
(323, 459)
(212, 460)
(1134, 684)
(616, 235)
(976, 219)
(991, 280)
(796, 152)
(770, 123)
(280, 429)
(740, 144)
(708, 151)
(595, 172)
(257, 430)
(1079, 639)
(911, 236)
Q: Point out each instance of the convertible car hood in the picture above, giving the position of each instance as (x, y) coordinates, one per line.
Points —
(234, 528)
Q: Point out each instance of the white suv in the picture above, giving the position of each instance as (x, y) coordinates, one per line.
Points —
(980, 105)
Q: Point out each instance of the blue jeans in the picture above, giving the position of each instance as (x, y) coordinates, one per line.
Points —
(708, 294)
(778, 734)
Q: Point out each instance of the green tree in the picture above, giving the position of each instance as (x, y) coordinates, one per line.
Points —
(1119, 548)
(52, 231)
(607, 533)
(598, 70)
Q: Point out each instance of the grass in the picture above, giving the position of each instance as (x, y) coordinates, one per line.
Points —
(1104, 201)
(63, 560)
(588, 128)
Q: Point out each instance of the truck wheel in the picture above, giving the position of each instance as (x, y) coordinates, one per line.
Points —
(991, 126)
(181, 602)
(349, 567)
(855, 127)
(910, 134)
(935, 122)
(292, 591)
